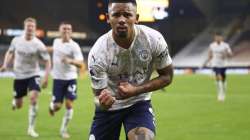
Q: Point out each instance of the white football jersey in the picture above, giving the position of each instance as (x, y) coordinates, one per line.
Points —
(26, 56)
(61, 49)
(109, 64)
(219, 53)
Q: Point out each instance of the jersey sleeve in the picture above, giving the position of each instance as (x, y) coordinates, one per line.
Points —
(54, 43)
(228, 49)
(12, 45)
(97, 70)
(78, 53)
(43, 53)
(161, 53)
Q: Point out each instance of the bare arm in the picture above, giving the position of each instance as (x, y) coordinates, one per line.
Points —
(210, 56)
(164, 79)
(49, 49)
(229, 52)
(127, 90)
(46, 75)
(77, 63)
(7, 58)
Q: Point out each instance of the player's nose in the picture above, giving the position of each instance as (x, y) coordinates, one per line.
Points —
(122, 20)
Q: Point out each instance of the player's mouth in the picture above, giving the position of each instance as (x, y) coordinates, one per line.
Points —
(122, 29)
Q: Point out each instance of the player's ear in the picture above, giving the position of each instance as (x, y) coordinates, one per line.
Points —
(107, 17)
(137, 18)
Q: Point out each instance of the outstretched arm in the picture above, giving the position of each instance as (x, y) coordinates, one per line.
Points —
(164, 79)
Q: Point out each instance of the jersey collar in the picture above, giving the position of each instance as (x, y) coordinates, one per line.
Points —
(132, 44)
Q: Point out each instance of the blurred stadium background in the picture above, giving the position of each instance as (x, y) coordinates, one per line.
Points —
(189, 109)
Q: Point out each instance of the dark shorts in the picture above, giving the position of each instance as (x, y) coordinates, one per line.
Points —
(220, 71)
(23, 86)
(64, 89)
(106, 125)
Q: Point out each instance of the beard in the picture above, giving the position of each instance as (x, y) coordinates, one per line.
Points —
(122, 34)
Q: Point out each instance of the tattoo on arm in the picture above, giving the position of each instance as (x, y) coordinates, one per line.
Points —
(164, 79)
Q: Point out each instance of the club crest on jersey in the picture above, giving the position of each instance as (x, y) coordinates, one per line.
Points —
(138, 77)
(143, 55)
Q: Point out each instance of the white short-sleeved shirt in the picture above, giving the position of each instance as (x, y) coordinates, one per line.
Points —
(27, 55)
(71, 49)
(109, 64)
(219, 53)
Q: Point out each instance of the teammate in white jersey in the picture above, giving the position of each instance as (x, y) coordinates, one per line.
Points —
(218, 54)
(27, 50)
(67, 57)
(120, 65)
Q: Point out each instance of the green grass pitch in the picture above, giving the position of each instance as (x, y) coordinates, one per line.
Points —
(187, 110)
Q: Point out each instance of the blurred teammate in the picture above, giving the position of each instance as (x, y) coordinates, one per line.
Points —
(67, 57)
(120, 65)
(27, 50)
(218, 53)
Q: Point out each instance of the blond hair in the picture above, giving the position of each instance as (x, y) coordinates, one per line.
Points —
(30, 19)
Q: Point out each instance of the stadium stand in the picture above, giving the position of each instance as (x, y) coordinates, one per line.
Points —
(233, 27)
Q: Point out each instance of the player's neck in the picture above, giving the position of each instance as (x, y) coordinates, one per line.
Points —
(124, 42)
(65, 40)
(28, 37)
(218, 42)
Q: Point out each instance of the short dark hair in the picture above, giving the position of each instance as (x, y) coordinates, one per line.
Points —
(123, 1)
(218, 33)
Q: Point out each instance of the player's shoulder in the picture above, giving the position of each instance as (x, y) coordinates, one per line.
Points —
(225, 44)
(150, 32)
(56, 41)
(74, 43)
(38, 42)
(17, 39)
(101, 43)
(212, 45)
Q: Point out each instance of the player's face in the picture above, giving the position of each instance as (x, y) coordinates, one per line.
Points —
(29, 28)
(65, 30)
(218, 38)
(122, 17)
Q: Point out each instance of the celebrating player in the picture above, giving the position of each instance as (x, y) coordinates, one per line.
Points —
(218, 53)
(27, 50)
(120, 65)
(67, 57)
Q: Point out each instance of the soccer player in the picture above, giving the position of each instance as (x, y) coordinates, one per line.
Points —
(27, 50)
(120, 65)
(218, 53)
(67, 57)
